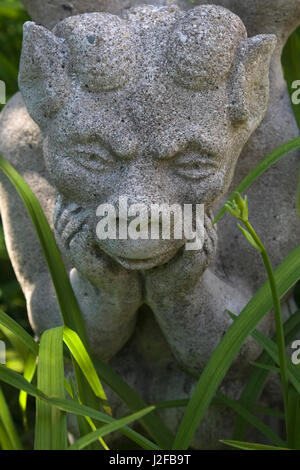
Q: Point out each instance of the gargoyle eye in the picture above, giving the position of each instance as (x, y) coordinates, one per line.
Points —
(94, 157)
(94, 161)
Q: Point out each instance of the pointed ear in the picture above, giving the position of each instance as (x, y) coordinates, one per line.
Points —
(249, 81)
(43, 72)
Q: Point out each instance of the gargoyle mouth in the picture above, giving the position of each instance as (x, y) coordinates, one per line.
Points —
(146, 263)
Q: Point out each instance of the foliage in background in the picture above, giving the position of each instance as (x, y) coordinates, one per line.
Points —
(291, 66)
(12, 17)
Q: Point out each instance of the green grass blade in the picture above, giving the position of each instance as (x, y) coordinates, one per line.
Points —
(70, 311)
(86, 396)
(172, 404)
(16, 380)
(69, 307)
(82, 358)
(286, 275)
(18, 345)
(293, 427)
(182, 403)
(8, 424)
(269, 411)
(51, 426)
(19, 332)
(78, 409)
(271, 348)
(293, 417)
(3, 251)
(152, 423)
(5, 443)
(297, 425)
(266, 367)
(71, 389)
(253, 420)
(109, 428)
(29, 372)
(70, 406)
(68, 303)
(250, 446)
(272, 158)
(257, 379)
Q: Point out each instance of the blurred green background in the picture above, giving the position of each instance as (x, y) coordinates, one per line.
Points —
(12, 17)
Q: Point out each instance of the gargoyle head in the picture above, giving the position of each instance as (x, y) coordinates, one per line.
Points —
(155, 106)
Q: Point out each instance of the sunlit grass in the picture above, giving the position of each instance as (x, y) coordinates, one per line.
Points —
(22, 373)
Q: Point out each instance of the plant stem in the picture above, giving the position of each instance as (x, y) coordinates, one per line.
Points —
(278, 315)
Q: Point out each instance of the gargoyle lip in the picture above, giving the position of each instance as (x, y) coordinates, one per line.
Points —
(146, 263)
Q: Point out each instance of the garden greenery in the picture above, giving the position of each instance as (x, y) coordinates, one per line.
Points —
(52, 386)
(37, 368)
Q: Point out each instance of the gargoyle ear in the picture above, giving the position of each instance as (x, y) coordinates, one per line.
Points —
(249, 81)
(43, 72)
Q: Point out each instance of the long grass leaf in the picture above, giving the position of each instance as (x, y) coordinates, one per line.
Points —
(82, 358)
(271, 348)
(82, 410)
(70, 388)
(29, 372)
(5, 443)
(253, 420)
(16, 380)
(250, 446)
(151, 423)
(286, 275)
(109, 428)
(8, 424)
(269, 411)
(68, 303)
(19, 332)
(69, 307)
(257, 379)
(270, 160)
(293, 429)
(51, 426)
(70, 406)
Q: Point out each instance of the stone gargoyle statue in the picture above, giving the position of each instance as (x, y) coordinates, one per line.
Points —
(154, 104)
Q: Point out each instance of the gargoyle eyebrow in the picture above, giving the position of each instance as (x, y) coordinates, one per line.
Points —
(123, 149)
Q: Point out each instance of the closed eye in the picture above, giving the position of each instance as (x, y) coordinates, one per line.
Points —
(93, 157)
(195, 165)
